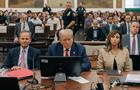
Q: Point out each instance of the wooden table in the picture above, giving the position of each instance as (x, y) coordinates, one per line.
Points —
(73, 85)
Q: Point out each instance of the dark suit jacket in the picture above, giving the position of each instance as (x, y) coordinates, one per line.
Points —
(90, 33)
(13, 57)
(76, 50)
(68, 16)
(126, 41)
(123, 28)
(18, 29)
(106, 29)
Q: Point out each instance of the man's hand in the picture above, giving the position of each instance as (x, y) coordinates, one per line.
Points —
(15, 68)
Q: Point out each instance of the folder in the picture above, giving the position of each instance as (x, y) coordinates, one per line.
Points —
(20, 74)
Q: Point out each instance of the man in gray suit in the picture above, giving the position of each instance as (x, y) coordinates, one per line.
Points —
(24, 25)
(128, 39)
(132, 42)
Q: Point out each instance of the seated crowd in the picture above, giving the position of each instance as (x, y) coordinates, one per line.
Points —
(120, 30)
(102, 22)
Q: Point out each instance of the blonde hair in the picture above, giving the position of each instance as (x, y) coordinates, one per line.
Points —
(65, 32)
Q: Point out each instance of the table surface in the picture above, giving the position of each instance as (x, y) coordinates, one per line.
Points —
(73, 85)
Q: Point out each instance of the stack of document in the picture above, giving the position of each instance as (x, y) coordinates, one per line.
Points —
(133, 78)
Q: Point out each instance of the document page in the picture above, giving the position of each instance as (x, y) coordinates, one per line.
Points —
(79, 79)
(134, 78)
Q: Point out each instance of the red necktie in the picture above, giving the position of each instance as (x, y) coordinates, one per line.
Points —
(67, 52)
(22, 63)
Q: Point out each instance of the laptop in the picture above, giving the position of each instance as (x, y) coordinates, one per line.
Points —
(9, 83)
(50, 65)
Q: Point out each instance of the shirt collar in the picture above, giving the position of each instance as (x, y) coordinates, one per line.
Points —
(26, 49)
(66, 48)
(131, 35)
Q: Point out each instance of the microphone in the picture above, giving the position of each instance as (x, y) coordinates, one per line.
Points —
(116, 82)
(100, 84)
(34, 81)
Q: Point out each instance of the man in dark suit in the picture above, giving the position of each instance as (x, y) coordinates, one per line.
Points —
(128, 39)
(125, 27)
(132, 42)
(22, 26)
(109, 26)
(66, 47)
(24, 55)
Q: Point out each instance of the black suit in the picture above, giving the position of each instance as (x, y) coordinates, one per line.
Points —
(13, 57)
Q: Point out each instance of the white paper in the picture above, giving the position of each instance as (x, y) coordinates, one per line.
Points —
(79, 79)
(3, 29)
(38, 29)
(12, 24)
(133, 78)
(51, 26)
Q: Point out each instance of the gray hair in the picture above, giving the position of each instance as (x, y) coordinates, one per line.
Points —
(65, 32)
(25, 32)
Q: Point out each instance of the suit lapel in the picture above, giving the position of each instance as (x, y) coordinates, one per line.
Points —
(111, 58)
(113, 27)
(128, 42)
(17, 53)
(59, 50)
(30, 57)
(125, 29)
(29, 25)
(74, 50)
(108, 28)
(138, 36)
(19, 28)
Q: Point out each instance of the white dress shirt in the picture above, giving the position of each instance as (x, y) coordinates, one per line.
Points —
(65, 50)
(131, 40)
(20, 54)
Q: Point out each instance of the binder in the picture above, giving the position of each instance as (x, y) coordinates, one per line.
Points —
(20, 74)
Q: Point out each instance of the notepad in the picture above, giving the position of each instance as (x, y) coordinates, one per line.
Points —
(21, 74)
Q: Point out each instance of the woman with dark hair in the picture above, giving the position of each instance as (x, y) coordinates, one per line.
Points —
(114, 56)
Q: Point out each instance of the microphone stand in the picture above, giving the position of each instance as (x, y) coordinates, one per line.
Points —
(34, 81)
